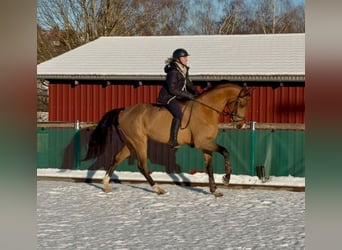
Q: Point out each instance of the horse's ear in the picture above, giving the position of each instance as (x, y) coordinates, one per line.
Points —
(248, 91)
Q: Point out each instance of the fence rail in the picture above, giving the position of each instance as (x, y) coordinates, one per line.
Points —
(276, 126)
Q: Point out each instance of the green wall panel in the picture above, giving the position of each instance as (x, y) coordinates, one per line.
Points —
(281, 152)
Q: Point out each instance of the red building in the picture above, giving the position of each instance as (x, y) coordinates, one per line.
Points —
(113, 72)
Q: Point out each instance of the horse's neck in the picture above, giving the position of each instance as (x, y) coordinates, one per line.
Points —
(218, 98)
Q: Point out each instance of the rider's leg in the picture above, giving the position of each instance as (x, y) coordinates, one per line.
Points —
(176, 112)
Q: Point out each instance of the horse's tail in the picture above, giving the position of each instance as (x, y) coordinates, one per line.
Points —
(98, 138)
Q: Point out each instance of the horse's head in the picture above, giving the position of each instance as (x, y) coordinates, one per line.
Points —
(238, 107)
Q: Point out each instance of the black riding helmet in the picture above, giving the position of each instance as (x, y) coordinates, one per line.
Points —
(179, 53)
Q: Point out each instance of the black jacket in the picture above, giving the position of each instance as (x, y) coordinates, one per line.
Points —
(174, 85)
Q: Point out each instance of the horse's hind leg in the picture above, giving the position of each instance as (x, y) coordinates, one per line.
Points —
(141, 151)
(122, 155)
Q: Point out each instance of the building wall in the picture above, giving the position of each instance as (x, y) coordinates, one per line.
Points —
(89, 102)
(280, 105)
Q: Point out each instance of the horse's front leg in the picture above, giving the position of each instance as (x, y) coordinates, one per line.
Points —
(227, 167)
(212, 185)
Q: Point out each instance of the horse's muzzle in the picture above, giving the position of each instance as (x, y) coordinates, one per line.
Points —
(240, 124)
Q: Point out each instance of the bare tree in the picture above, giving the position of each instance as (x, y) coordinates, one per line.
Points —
(237, 18)
(203, 17)
(155, 17)
(67, 24)
(292, 19)
(278, 16)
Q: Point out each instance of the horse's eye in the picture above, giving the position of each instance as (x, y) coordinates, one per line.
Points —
(243, 103)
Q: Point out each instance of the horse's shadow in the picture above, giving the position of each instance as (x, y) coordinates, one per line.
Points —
(192, 189)
(158, 153)
(141, 188)
(198, 190)
(97, 186)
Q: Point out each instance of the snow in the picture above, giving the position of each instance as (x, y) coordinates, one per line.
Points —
(42, 116)
(79, 215)
(288, 181)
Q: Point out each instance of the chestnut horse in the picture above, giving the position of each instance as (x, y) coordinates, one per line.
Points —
(141, 122)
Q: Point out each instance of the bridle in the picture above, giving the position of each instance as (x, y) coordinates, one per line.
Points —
(231, 113)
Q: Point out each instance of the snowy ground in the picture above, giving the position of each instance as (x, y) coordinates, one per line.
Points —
(164, 177)
(81, 216)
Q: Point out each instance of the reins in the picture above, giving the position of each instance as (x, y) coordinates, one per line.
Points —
(212, 108)
(229, 113)
(206, 105)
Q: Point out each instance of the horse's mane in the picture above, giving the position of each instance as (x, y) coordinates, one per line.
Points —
(207, 91)
(218, 86)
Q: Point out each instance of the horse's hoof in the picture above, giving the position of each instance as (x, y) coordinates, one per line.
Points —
(158, 189)
(218, 193)
(105, 182)
(226, 179)
(107, 189)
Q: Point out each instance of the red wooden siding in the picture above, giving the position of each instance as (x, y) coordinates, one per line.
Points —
(89, 102)
(280, 105)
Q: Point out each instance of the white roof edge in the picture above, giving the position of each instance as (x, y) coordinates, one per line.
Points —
(202, 77)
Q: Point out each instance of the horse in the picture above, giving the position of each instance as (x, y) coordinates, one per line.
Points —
(138, 123)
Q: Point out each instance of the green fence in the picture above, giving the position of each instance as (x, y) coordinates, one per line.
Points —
(281, 152)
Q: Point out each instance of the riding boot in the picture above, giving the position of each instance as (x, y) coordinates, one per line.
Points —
(174, 132)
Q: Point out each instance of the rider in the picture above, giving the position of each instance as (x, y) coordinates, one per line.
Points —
(177, 87)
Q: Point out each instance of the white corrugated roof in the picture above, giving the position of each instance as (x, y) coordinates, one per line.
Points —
(211, 57)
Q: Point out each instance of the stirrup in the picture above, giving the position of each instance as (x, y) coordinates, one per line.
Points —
(173, 145)
(176, 146)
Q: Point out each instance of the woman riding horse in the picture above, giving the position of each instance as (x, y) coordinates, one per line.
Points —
(177, 87)
(139, 123)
